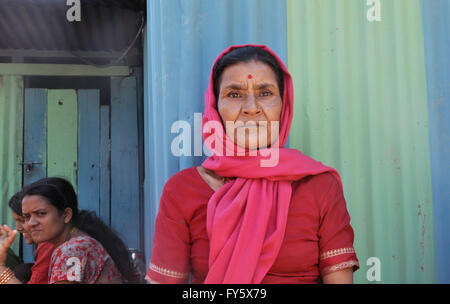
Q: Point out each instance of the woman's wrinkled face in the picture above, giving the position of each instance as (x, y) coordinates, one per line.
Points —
(20, 221)
(43, 220)
(249, 103)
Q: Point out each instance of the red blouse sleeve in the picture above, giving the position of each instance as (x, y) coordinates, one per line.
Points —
(171, 244)
(40, 269)
(335, 232)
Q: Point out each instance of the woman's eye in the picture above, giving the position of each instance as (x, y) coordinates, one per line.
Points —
(266, 93)
(233, 94)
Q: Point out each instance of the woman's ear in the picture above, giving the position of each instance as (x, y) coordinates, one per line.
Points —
(67, 215)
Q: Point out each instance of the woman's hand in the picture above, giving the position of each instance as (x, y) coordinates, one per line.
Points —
(7, 236)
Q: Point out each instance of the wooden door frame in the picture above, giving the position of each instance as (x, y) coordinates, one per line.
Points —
(48, 69)
(139, 96)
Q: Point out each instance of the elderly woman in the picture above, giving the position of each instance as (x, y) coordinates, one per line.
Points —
(236, 219)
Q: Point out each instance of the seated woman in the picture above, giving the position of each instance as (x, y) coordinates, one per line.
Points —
(87, 251)
(238, 218)
(39, 270)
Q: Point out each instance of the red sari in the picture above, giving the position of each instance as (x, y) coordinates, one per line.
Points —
(39, 271)
(318, 238)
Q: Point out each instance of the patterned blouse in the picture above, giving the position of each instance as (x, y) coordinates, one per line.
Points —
(83, 259)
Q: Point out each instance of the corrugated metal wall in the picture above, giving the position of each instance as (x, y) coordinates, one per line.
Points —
(43, 25)
(11, 144)
(371, 100)
(437, 54)
(183, 39)
(361, 107)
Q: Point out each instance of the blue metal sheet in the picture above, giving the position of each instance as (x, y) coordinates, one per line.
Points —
(35, 144)
(125, 205)
(35, 133)
(89, 150)
(183, 38)
(437, 50)
(105, 166)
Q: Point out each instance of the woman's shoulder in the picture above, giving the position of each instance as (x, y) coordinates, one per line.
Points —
(88, 256)
(321, 188)
(44, 250)
(45, 246)
(79, 246)
(184, 193)
(190, 173)
(322, 181)
(85, 241)
(186, 182)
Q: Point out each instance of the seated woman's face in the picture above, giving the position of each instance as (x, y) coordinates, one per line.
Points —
(249, 101)
(42, 219)
(20, 221)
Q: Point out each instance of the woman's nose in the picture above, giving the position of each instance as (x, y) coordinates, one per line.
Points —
(30, 223)
(251, 106)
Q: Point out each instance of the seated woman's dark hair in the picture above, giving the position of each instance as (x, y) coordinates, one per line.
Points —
(246, 54)
(15, 203)
(60, 193)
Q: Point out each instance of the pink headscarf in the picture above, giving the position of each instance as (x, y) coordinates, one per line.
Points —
(246, 218)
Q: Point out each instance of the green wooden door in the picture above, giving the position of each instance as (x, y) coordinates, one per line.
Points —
(62, 130)
(69, 133)
(52, 141)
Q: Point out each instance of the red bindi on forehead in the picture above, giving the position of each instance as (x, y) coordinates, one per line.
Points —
(249, 76)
